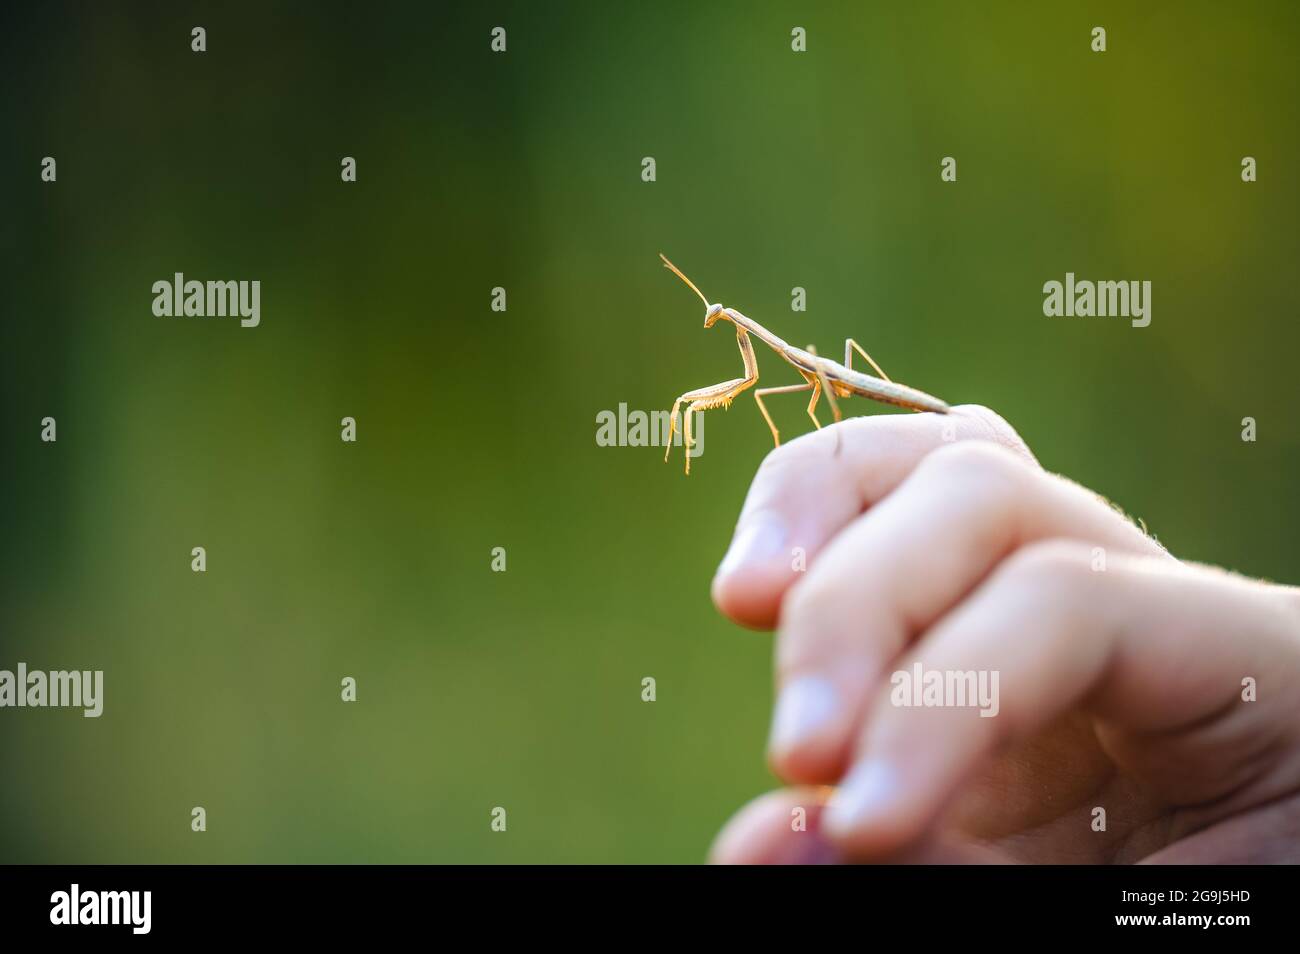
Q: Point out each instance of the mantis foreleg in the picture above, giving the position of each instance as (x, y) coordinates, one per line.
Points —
(713, 396)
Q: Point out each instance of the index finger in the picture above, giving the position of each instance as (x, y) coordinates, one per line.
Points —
(807, 490)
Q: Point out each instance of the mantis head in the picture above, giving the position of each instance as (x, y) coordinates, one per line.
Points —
(713, 312)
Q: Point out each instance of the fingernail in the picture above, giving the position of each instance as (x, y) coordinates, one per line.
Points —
(868, 793)
(803, 708)
(762, 538)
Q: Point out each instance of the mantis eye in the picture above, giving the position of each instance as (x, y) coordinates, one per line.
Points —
(713, 312)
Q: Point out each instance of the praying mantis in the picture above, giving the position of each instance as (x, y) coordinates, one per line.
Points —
(821, 375)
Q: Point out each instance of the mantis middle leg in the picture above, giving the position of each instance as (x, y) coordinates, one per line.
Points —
(810, 383)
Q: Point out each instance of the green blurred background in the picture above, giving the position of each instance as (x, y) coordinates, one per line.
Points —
(476, 429)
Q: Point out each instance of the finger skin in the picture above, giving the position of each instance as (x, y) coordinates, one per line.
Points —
(1270, 836)
(1146, 646)
(762, 833)
(778, 828)
(898, 568)
(808, 489)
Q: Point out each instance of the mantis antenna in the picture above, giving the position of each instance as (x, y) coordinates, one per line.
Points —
(678, 272)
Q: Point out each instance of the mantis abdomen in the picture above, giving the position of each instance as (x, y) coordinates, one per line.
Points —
(846, 381)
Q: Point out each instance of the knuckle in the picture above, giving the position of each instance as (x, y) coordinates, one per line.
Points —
(802, 602)
(975, 461)
(824, 627)
(790, 455)
(807, 620)
(776, 460)
(1050, 566)
(993, 428)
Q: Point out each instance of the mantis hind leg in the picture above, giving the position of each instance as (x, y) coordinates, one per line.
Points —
(830, 396)
(849, 347)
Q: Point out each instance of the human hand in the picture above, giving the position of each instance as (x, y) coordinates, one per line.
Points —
(1124, 676)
